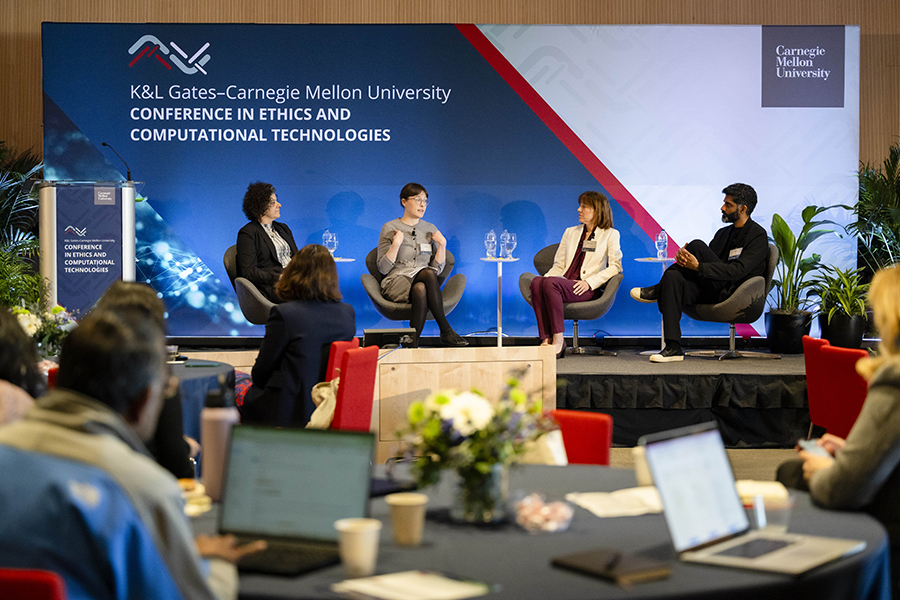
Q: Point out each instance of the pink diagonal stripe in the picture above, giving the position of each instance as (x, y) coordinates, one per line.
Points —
(562, 131)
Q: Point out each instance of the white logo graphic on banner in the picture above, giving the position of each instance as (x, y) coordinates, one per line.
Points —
(79, 232)
(190, 65)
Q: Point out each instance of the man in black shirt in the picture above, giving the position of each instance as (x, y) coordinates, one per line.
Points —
(708, 274)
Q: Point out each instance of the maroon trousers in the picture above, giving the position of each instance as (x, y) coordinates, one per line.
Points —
(548, 294)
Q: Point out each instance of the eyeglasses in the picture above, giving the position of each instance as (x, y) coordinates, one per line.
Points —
(419, 201)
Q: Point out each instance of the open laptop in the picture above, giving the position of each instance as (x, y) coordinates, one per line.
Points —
(288, 487)
(706, 518)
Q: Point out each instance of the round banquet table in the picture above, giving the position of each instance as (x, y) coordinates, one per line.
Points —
(518, 565)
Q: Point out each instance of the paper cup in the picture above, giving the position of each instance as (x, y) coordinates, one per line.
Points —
(407, 517)
(358, 545)
(641, 468)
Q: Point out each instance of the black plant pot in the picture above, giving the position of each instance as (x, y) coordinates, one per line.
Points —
(843, 331)
(785, 332)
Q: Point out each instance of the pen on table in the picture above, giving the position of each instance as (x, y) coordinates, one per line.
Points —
(196, 366)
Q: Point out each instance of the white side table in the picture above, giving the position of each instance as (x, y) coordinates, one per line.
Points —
(499, 262)
(665, 262)
(343, 260)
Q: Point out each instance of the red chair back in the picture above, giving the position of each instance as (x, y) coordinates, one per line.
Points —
(353, 406)
(52, 372)
(816, 379)
(336, 355)
(587, 436)
(32, 584)
(846, 388)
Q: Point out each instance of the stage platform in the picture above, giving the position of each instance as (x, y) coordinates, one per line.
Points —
(758, 403)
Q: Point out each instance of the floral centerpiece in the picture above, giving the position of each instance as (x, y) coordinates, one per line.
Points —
(479, 440)
(48, 329)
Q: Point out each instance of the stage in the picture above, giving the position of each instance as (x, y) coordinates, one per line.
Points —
(757, 402)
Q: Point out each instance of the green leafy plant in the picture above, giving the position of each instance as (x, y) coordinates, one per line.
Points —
(791, 273)
(839, 291)
(877, 212)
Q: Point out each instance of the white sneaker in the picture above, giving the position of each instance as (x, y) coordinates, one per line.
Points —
(668, 355)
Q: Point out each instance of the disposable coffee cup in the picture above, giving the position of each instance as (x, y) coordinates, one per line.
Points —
(358, 545)
(641, 468)
(407, 517)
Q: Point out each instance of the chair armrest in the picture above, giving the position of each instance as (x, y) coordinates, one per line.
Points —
(745, 305)
(525, 280)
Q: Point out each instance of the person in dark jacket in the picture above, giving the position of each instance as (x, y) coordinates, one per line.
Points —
(264, 246)
(294, 353)
(708, 274)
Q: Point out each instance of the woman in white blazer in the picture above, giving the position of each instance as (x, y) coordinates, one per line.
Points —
(588, 256)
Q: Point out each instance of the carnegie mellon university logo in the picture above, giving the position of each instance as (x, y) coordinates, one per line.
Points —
(149, 46)
(72, 230)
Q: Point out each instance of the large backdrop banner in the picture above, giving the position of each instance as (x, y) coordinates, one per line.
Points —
(505, 125)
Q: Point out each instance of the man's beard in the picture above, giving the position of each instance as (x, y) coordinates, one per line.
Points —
(730, 217)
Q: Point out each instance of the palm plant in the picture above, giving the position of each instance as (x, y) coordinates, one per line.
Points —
(18, 245)
(792, 270)
(877, 212)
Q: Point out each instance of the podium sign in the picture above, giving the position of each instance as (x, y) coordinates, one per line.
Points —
(87, 239)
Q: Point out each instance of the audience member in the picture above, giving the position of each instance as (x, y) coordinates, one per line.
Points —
(293, 355)
(168, 445)
(81, 496)
(861, 472)
(20, 379)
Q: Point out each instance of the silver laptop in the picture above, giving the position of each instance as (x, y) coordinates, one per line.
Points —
(288, 487)
(706, 518)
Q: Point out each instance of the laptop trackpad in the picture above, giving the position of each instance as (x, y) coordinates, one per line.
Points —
(754, 548)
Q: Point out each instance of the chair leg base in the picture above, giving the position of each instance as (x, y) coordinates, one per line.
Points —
(580, 350)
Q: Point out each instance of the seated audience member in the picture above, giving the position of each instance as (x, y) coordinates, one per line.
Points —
(20, 380)
(168, 446)
(862, 471)
(264, 246)
(80, 495)
(293, 355)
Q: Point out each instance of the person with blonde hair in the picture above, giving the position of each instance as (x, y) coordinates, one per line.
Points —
(588, 256)
(861, 472)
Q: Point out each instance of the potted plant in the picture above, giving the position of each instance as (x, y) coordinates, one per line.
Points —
(19, 280)
(788, 319)
(842, 305)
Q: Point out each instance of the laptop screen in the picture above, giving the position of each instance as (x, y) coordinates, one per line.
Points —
(693, 476)
(294, 483)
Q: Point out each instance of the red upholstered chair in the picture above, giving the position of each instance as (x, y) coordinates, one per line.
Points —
(353, 405)
(336, 355)
(587, 436)
(835, 391)
(32, 584)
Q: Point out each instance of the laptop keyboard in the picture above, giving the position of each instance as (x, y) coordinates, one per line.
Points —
(289, 558)
(754, 548)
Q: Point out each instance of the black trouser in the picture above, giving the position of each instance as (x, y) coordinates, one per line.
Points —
(681, 287)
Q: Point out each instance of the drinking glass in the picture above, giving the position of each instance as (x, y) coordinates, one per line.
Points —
(490, 243)
(504, 240)
(330, 241)
(510, 245)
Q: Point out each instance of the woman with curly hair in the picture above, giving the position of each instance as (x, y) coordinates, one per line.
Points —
(293, 355)
(264, 246)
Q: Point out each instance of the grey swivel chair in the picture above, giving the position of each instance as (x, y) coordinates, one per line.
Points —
(402, 311)
(575, 311)
(253, 304)
(745, 305)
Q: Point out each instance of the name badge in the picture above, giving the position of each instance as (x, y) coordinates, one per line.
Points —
(424, 248)
(589, 246)
(735, 253)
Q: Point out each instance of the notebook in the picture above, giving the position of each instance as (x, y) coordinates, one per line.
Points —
(705, 516)
(288, 487)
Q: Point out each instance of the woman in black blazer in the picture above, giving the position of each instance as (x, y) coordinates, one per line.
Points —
(294, 354)
(264, 246)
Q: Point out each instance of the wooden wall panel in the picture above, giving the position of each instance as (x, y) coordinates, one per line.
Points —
(20, 50)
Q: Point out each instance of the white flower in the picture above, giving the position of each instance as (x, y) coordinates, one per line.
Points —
(468, 412)
(29, 323)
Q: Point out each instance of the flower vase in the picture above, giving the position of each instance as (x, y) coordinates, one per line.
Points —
(481, 497)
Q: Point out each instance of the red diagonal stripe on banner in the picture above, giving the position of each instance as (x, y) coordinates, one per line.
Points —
(165, 64)
(138, 57)
(562, 131)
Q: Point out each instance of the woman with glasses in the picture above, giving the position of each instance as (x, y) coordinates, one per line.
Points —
(264, 246)
(411, 255)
